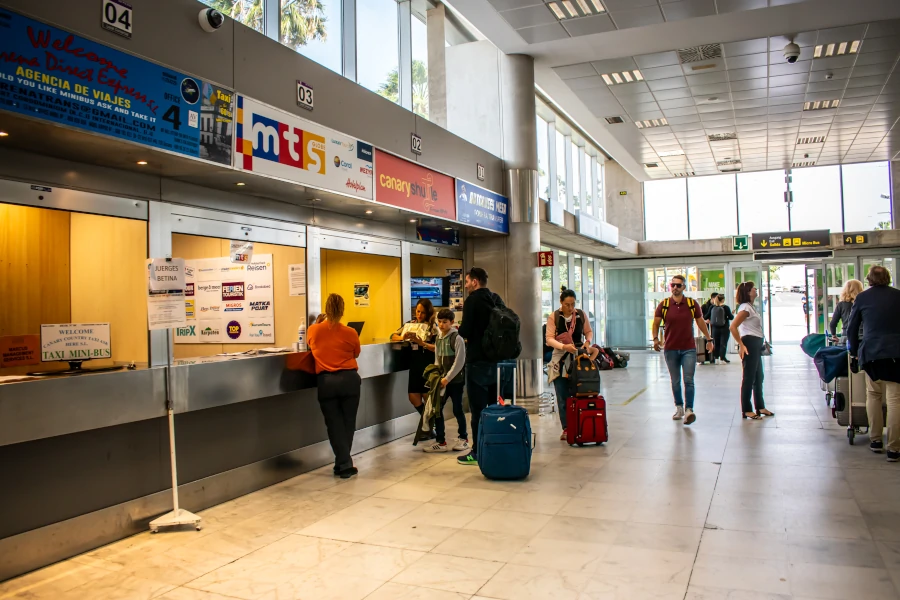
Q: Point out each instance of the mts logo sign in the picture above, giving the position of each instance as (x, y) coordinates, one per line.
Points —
(190, 331)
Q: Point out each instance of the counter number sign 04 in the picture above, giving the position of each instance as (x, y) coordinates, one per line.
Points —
(415, 144)
(304, 95)
(117, 17)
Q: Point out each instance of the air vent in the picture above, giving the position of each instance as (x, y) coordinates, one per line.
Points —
(811, 140)
(821, 104)
(650, 123)
(685, 174)
(651, 165)
(700, 53)
(614, 120)
(728, 161)
(807, 163)
(721, 137)
(730, 170)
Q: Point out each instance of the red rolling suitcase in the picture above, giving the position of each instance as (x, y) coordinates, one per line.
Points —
(586, 420)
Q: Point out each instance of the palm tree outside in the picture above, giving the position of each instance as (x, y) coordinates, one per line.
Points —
(390, 89)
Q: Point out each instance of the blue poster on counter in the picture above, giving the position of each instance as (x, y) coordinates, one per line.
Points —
(481, 208)
(50, 74)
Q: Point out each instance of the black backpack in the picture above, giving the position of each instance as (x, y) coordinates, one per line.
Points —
(717, 316)
(501, 338)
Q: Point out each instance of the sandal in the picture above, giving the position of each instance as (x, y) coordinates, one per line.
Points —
(765, 413)
(751, 415)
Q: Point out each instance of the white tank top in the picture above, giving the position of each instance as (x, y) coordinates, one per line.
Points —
(752, 325)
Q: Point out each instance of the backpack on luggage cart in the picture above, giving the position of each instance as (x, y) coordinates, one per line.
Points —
(505, 441)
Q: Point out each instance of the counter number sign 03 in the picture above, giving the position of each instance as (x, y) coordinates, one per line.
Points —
(117, 17)
(304, 95)
(415, 144)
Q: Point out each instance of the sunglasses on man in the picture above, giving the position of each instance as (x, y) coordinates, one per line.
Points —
(675, 286)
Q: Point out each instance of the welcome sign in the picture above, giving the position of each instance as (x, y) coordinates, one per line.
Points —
(75, 342)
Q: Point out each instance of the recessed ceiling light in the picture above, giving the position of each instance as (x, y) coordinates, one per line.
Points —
(648, 123)
(836, 49)
(678, 152)
(607, 79)
(614, 120)
(240, 183)
(142, 162)
(854, 46)
(821, 104)
(3, 134)
(569, 8)
(829, 50)
(637, 75)
(412, 220)
(627, 76)
(617, 77)
(584, 7)
(369, 212)
(557, 10)
(598, 6)
(622, 77)
(811, 140)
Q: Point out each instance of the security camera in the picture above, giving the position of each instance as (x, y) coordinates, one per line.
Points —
(829, 76)
(211, 19)
(791, 52)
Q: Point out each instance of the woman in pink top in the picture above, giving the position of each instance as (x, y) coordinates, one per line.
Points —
(568, 330)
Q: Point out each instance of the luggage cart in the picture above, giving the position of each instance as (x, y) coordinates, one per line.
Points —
(829, 388)
(852, 391)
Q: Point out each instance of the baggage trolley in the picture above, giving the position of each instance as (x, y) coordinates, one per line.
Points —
(852, 390)
(829, 388)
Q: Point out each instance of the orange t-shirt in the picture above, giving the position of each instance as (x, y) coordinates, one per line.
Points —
(333, 348)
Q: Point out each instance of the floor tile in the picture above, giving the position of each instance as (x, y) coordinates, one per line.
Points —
(515, 582)
(370, 562)
(397, 591)
(484, 545)
(449, 573)
(508, 522)
(747, 574)
(839, 582)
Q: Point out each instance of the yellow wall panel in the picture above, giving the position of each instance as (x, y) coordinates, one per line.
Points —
(340, 270)
(431, 266)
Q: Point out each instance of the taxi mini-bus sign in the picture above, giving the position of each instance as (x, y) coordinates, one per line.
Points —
(817, 238)
(75, 342)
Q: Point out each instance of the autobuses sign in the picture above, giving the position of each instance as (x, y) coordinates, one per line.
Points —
(407, 185)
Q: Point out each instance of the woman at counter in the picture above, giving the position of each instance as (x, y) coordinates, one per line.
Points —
(420, 333)
(335, 348)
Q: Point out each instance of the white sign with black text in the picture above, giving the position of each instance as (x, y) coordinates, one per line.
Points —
(305, 96)
(117, 17)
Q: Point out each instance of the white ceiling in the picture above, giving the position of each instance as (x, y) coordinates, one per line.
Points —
(751, 91)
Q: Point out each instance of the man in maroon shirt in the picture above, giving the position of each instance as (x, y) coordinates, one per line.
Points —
(678, 313)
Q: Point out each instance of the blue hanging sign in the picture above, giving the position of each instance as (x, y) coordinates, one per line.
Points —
(481, 208)
(49, 74)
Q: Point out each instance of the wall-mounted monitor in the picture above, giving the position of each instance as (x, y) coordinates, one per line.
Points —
(435, 289)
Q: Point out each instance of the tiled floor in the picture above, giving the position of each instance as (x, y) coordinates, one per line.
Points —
(779, 509)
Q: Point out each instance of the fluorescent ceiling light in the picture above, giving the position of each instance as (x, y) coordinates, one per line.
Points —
(854, 46)
(557, 10)
(818, 52)
(627, 76)
(829, 50)
(617, 77)
(842, 47)
(607, 79)
(670, 153)
(598, 6)
(584, 7)
(570, 8)
(637, 75)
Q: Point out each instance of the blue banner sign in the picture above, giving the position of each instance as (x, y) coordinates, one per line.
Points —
(481, 208)
(446, 235)
(50, 74)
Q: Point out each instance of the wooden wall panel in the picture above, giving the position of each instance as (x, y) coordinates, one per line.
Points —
(109, 280)
(34, 272)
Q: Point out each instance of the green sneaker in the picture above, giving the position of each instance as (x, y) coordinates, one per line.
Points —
(468, 459)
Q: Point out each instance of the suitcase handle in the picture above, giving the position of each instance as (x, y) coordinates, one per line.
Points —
(500, 394)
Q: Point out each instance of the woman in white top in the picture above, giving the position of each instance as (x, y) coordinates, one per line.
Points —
(747, 331)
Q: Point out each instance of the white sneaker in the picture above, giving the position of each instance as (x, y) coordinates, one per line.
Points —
(436, 447)
(461, 445)
(689, 416)
(679, 413)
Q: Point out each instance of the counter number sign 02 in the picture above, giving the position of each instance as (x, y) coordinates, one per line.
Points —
(117, 17)
(304, 95)
(415, 144)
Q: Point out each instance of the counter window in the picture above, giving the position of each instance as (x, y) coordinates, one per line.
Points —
(438, 279)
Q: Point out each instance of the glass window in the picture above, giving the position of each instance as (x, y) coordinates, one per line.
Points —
(713, 206)
(563, 271)
(588, 204)
(761, 202)
(378, 47)
(248, 12)
(665, 209)
(543, 159)
(576, 177)
(419, 33)
(817, 199)
(579, 301)
(601, 199)
(867, 196)
(561, 166)
(313, 28)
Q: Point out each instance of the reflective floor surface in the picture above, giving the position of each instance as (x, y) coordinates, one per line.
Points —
(729, 509)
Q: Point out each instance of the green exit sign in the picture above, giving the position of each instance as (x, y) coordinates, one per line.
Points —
(740, 242)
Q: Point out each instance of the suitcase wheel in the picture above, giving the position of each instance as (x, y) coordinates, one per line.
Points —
(850, 435)
(580, 445)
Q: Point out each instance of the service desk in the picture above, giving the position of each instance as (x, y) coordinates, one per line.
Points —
(84, 459)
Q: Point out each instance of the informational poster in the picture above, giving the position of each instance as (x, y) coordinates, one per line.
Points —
(712, 280)
(165, 293)
(297, 280)
(49, 74)
(278, 144)
(481, 208)
(456, 288)
(241, 251)
(228, 303)
(361, 294)
(410, 186)
(20, 350)
(75, 342)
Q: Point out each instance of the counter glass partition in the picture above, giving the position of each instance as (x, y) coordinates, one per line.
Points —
(59, 267)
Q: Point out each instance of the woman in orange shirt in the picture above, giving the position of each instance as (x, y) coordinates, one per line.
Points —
(335, 348)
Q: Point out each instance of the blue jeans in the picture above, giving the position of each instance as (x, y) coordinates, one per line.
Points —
(686, 361)
(481, 386)
(561, 386)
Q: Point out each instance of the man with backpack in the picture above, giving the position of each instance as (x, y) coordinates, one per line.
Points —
(491, 332)
(719, 317)
(678, 314)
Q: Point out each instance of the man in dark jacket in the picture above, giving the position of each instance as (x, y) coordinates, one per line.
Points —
(481, 373)
(877, 311)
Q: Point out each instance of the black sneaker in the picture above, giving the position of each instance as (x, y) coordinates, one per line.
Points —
(877, 447)
(726, 360)
(348, 473)
(893, 456)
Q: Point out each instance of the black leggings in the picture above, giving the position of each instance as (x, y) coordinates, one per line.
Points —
(720, 335)
(753, 374)
(339, 401)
